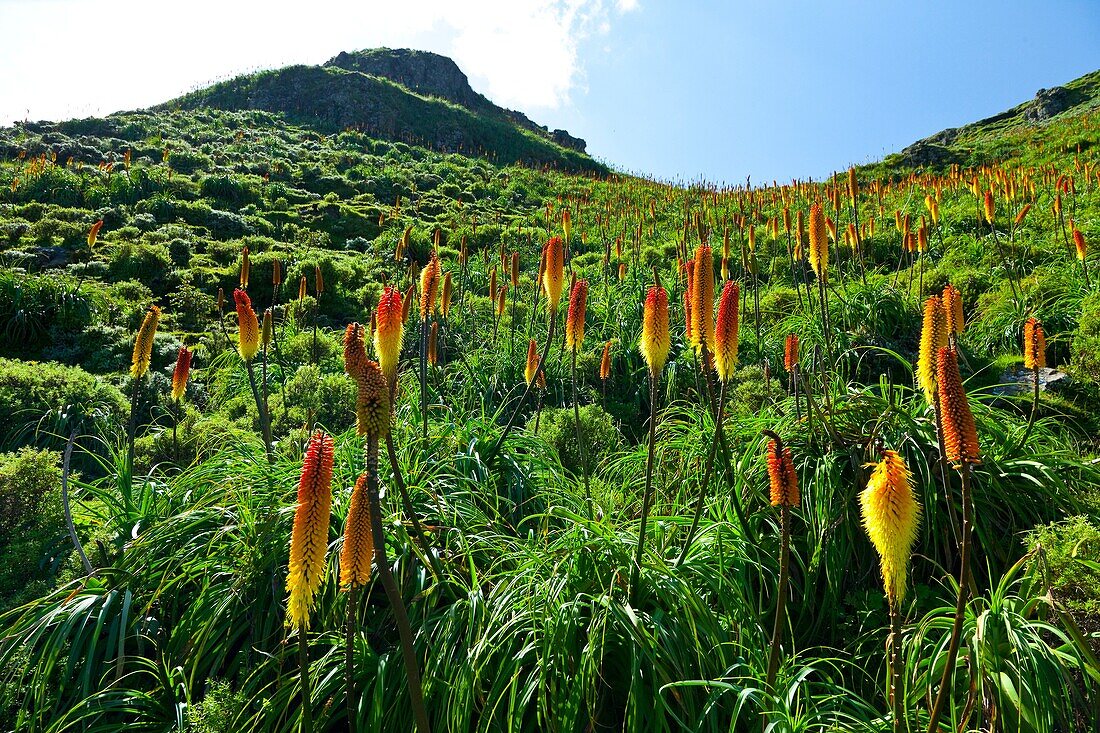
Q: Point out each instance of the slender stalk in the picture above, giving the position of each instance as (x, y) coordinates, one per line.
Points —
(523, 397)
(131, 427)
(647, 496)
(580, 440)
(265, 424)
(897, 693)
(424, 376)
(349, 655)
(410, 511)
(303, 667)
(67, 506)
(706, 478)
(781, 593)
(1034, 408)
(538, 411)
(960, 605)
(404, 629)
(175, 424)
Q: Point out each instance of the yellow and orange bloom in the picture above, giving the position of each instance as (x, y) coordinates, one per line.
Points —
(960, 435)
(181, 373)
(790, 352)
(819, 242)
(93, 233)
(656, 340)
(429, 287)
(532, 362)
(933, 337)
(358, 550)
(389, 332)
(725, 331)
(1079, 244)
(989, 207)
(891, 516)
(574, 323)
(445, 295)
(246, 267)
(309, 537)
(433, 341)
(605, 362)
(782, 478)
(953, 308)
(702, 300)
(553, 275)
(1035, 345)
(248, 328)
(143, 343)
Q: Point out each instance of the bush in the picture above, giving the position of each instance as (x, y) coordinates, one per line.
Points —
(1064, 543)
(31, 523)
(558, 428)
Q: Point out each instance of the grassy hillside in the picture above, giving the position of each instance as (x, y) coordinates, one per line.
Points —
(511, 516)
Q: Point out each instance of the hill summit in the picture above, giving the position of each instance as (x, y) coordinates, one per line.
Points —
(403, 95)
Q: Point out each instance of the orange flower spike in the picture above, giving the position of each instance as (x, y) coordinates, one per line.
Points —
(553, 276)
(1079, 244)
(656, 341)
(781, 475)
(406, 304)
(318, 279)
(819, 242)
(309, 537)
(358, 550)
(574, 323)
(302, 289)
(143, 343)
(276, 274)
(372, 404)
(355, 351)
(989, 207)
(959, 432)
(725, 331)
(953, 308)
(702, 300)
(515, 269)
(532, 362)
(246, 267)
(933, 336)
(605, 362)
(429, 287)
(248, 327)
(790, 352)
(1035, 345)
(181, 373)
(389, 332)
(94, 232)
(502, 294)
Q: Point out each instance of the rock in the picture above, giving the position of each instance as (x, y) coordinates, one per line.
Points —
(563, 138)
(1017, 380)
(928, 154)
(421, 71)
(1047, 103)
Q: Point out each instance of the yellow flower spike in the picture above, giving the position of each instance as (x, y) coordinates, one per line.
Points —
(891, 516)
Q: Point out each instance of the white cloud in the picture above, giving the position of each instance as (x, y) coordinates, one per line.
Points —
(105, 55)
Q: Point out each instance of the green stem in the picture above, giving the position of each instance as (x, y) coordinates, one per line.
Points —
(349, 656)
(523, 398)
(580, 440)
(647, 496)
(706, 477)
(303, 666)
(404, 629)
(897, 693)
(781, 594)
(960, 605)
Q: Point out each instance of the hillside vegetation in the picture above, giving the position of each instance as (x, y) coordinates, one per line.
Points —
(221, 514)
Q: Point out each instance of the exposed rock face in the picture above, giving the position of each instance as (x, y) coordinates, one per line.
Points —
(926, 153)
(1047, 103)
(421, 71)
(433, 75)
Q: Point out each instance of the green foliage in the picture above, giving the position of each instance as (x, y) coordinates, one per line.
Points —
(558, 427)
(31, 526)
(1067, 546)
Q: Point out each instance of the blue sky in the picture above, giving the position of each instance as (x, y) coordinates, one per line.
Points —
(675, 90)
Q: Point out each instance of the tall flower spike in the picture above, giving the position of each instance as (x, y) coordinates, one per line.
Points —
(433, 341)
(990, 209)
(1080, 244)
(406, 306)
(891, 516)
(248, 328)
(302, 289)
(181, 373)
(358, 550)
(246, 268)
(309, 537)
(372, 404)
(725, 331)
(429, 287)
(819, 242)
(355, 351)
(790, 352)
(143, 343)
(553, 276)
(574, 323)
(605, 362)
(933, 337)
(532, 362)
(702, 300)
(1035, 345)
(389, 333)
(656, 341)
(953, 308)
(960, 436)
(445, 295)
(515, 269)
(266, 328)
(781, 475)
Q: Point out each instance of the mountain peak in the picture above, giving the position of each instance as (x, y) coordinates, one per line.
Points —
(403, 95)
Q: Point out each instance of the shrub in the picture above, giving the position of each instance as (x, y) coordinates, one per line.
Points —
(558, 428)
(31, 523)
(1064, 543)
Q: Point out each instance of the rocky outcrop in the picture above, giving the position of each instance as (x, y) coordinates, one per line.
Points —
(1047, 103)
